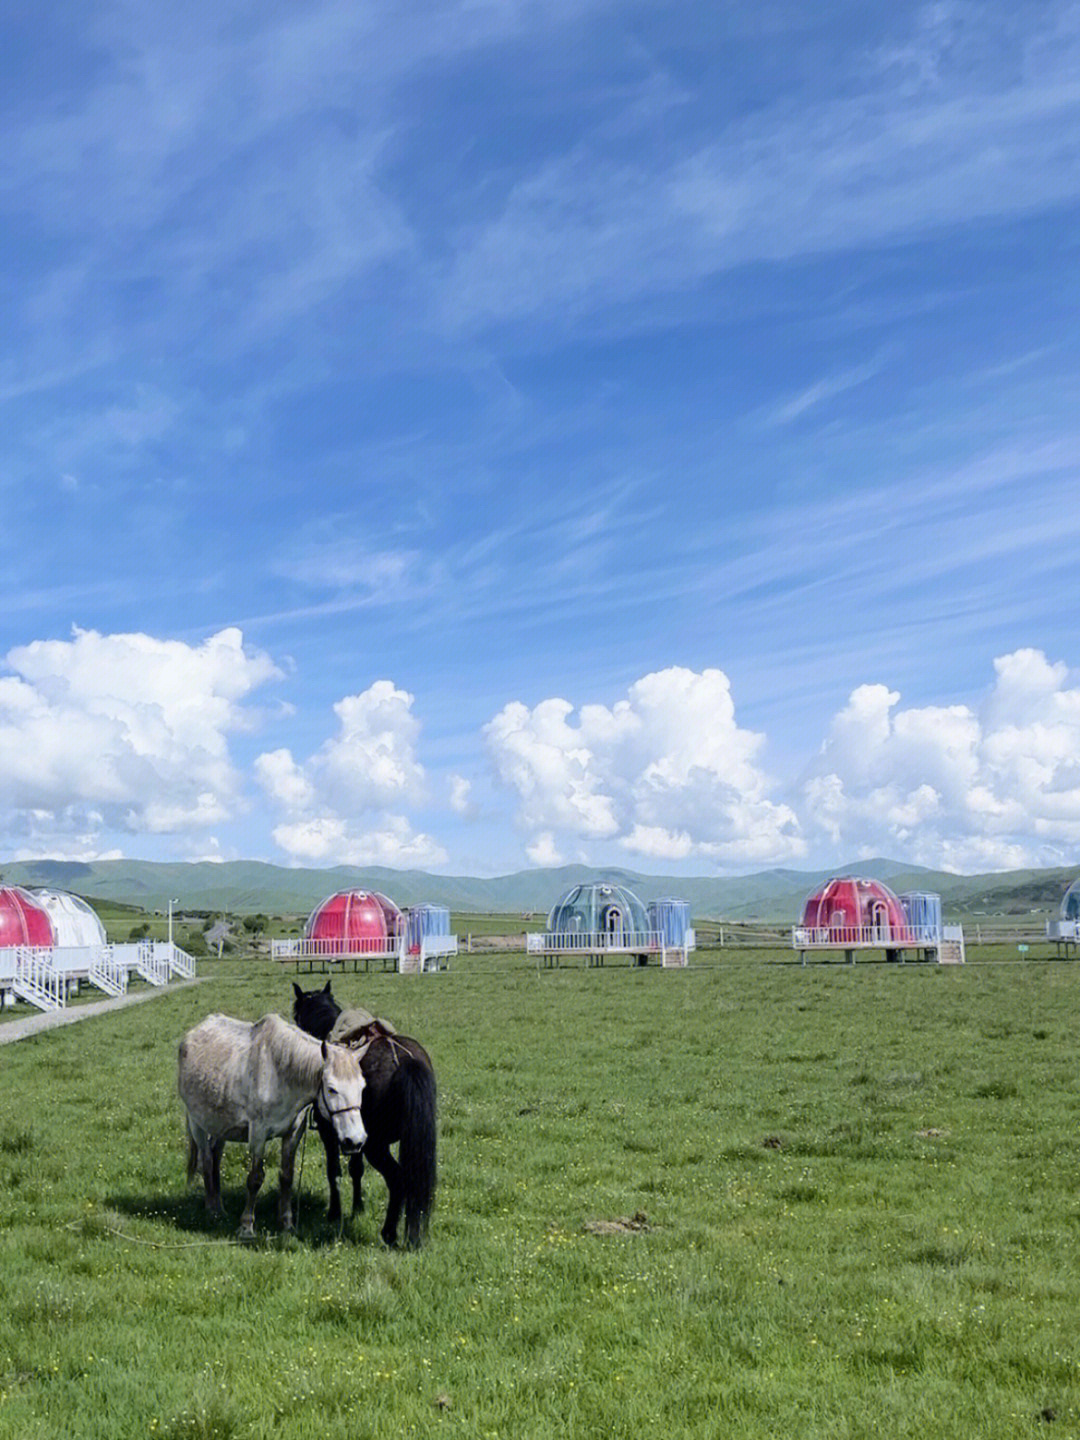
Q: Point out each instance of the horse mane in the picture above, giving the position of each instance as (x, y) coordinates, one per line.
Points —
(293, 1052)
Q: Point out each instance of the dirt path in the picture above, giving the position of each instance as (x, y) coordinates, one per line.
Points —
(50, 1019)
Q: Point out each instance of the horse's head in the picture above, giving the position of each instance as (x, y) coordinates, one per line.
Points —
(315, 1010)
(341, 1093)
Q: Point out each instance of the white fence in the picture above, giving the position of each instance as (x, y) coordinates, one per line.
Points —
(433, 952)
(834, 937)
(552, 945)
(942, 940)
(44, 976)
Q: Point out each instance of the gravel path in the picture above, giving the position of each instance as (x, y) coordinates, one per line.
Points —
(50, 1019)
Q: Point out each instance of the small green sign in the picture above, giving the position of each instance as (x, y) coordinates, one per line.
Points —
(1023, 949)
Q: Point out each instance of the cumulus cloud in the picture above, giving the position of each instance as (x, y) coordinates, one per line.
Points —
(543, 851)
(666, 773)
(461, 796)
(122, 732)
(990, 787)
(341, 804)
(328, 839)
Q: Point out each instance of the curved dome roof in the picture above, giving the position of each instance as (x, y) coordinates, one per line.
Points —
(354, 915)
(1070, 902)
(849, 900)
(598, 908)
(22, 920)
(73, 920)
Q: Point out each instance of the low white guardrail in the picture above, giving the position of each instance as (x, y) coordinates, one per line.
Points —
(835, 937)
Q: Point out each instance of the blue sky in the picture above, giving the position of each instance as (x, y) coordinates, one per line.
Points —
(473, 435)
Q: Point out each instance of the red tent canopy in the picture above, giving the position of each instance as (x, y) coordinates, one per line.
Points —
(849, 903)
(354, 919)
(22, 920)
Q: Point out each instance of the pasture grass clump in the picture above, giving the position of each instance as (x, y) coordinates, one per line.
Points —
(746, 1198)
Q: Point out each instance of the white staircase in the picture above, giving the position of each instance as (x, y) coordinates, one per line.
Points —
(151, 964)
(107, 973)
(35, 980)
(180, 962)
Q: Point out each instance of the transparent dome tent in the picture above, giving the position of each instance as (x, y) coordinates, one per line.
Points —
(74, 922)
(600, 918)
(599, 910)
(1065, 930)
(1070, 903)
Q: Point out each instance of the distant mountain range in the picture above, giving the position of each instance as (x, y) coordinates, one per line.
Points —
(244, 887)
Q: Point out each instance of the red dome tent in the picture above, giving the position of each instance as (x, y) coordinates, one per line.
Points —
(354, 923)
(22, 920)
(853, 911)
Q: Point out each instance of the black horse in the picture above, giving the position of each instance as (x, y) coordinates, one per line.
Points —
(398, 1106)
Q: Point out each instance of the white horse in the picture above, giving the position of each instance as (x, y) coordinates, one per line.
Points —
(253, 1082)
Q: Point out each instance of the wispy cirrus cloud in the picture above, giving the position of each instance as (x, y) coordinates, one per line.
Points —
(883, 161)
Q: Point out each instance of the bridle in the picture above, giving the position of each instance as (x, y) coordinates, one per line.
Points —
(321, 1100)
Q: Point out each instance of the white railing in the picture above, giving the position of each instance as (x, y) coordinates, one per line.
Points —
(179, 961)
(151, 964)
(9, 964)
(43, 975)
(1061, 929)
(620, 942)
(806, 937)
(107, 973)
(36, 981)
(431, 952)
(374, 947)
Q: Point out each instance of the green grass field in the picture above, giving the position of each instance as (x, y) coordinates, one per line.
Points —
(857, 1189)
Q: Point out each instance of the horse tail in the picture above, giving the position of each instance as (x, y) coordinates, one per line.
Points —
(418, 1145)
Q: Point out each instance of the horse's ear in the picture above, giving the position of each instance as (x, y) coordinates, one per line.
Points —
(326, 988)
(325, 1052)
(299, 992)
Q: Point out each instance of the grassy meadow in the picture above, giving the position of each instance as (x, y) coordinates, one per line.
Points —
(743, 1199)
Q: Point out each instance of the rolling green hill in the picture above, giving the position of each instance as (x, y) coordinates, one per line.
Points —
(248, 886)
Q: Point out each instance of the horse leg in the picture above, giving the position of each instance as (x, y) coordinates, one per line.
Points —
(333, 1164)
(202, 1148)
(256, 1176)
(379, 1156)
(289, 1143)
(356, 1174)
(213, 1182)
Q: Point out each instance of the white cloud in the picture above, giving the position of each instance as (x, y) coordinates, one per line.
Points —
(329, 839)
(667, 772)
(871, 159)
(991, 787)
(340, 803)
(542, 851)
(124, 731)
(460, 796)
